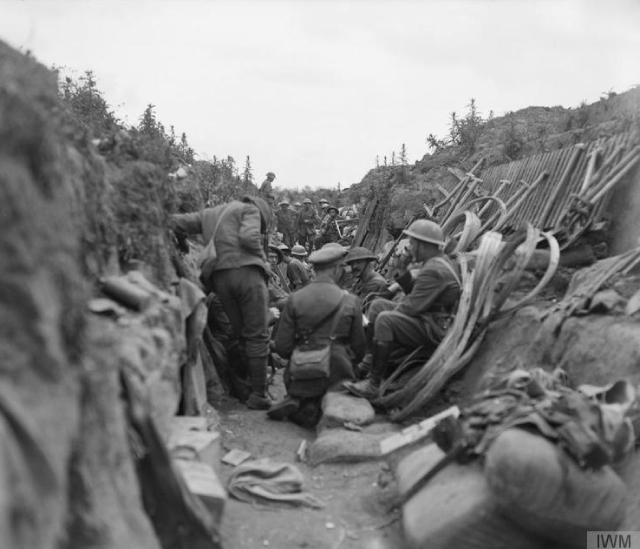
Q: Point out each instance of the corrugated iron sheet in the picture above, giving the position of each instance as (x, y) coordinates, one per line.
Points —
(529, 169)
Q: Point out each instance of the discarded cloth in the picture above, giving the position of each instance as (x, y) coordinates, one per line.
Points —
(267, 482)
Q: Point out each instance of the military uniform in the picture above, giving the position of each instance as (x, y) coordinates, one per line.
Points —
(328, 231)
(307, 222)
(238, 275)
(425, 313)
(285, 225)
(309, 305)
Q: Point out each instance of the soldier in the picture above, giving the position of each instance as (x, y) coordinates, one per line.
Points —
(295, 218)
(424, 316)
(296, 271)
(367, 284)
(285, 224)
(266, 188)
(300, 253)
(329, 228)
(278, 293)
(319, 302)
(307, 223)
(238, 231)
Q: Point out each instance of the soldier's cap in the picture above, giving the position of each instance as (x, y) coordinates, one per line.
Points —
(333, 208)
(329, 253)
(307, 201)
(277, 251)
(297, 204)
(298, 250)
(284, 203)
(271, 174)
(359, 253)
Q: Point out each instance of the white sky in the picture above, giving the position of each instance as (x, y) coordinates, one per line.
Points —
(315, 89)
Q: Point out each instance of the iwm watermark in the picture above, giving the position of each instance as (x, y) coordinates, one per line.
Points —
(613, 540)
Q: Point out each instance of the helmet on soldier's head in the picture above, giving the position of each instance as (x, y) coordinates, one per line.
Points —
(297, 204)
(426, 231)
(323, 201)
(284, 203)
(307, 201)
(271, 175)
(298, 250)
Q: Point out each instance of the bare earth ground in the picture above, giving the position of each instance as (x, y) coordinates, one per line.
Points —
(359, 497)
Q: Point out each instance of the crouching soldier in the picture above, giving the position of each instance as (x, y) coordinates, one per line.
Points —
(237, 274)
(423, 317)
(318, 315)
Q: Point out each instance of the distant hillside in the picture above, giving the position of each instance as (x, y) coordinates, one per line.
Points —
(516, 135)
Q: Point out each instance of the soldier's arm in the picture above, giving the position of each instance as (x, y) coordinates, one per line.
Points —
(189, 223)
(249, 232)
(426, 289)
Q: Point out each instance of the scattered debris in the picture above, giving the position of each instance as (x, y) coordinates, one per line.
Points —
(235, 457)
(301, 452)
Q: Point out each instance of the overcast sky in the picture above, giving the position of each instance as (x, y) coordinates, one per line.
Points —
(314, 90)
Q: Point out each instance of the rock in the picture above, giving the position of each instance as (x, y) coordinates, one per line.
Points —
(342, 445)
(456, 509)
(341, 408)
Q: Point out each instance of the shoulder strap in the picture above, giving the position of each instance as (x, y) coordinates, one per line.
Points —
(326, 317)
(448, 265)
(336, 319)
(215, 229)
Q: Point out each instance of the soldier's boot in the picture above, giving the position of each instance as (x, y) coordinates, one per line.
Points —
(258, 399)
(369, 388)
(283, 409)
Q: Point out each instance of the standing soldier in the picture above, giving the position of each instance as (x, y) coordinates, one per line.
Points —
(295, 216)
(238, 233)
(329, 228)
(300, 253)
(285, 224)
(266, 188)
(307, 223)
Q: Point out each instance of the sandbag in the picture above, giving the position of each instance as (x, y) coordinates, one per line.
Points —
(543, 490)
(456, 509)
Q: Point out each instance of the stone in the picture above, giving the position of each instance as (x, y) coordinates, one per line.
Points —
(345, 446)
(456, 509)
(341, 408)
(202, 480)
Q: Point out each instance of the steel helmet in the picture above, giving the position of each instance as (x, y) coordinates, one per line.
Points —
(323, 201)
(307, 201)
(298, 250)
(271, 174)
(284, 203)
(297, 204)
(426, 231)
(359, 253)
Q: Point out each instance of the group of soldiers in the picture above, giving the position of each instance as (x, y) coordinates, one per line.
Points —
(273, 295)
(301, 223)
